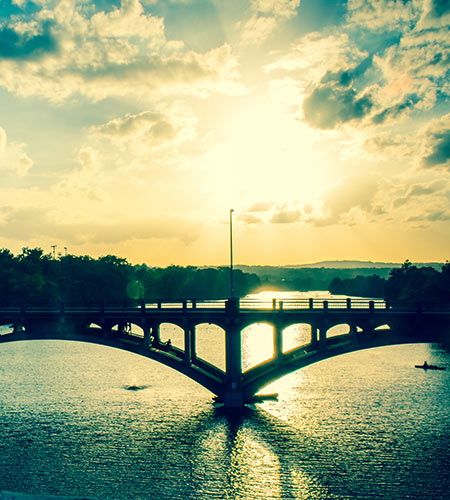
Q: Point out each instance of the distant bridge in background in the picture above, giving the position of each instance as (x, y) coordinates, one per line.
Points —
(371, 323)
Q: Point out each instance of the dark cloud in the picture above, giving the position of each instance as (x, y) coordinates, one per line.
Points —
(335, 100)
(396, 110)
(24, 46)
(346, 77)
(436, 216)
(440, 154)
(424, 189)
(331, 105)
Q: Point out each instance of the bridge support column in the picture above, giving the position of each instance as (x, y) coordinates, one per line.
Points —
(189, 345)
(147, 329)
(322, 336)
(314, 335)
(233, 396)
(155, 339)
(354, 331)
(278, 343)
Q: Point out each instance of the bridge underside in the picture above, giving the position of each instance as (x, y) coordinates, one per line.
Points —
(233, 387)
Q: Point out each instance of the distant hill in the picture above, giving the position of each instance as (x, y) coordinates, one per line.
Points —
(347, 264)
(340, 264)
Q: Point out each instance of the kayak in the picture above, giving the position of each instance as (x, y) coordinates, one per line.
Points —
(430, 367)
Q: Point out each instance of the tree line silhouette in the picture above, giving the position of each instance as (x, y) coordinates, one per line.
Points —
(409, 282)
(34, 275)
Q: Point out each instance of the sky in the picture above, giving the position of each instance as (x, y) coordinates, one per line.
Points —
(133, 127)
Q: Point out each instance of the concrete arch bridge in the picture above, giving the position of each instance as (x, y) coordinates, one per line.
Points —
(370, 323)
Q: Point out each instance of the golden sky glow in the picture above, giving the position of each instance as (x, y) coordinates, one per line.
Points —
(132, 127)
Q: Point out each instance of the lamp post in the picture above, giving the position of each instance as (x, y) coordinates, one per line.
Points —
(231, 255)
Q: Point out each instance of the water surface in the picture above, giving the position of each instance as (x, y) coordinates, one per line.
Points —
(365, 425)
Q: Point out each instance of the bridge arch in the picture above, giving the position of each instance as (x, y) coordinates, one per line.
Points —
(261, 375)
(204, 374)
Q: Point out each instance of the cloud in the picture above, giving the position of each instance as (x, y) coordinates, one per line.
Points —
(286, 217)
(312, 55)
(396, 110)
(331, 105)
(356, 195)
(387, 15)
(427, 191)
(262, 206)
(13, 157)
(435, 216)
(277, 8)
(265, 17)
(120, 53)
(250, 219)
(30, 222)
(440, 155)
(436, 144)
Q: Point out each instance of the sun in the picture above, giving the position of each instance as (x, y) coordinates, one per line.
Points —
(262, 152)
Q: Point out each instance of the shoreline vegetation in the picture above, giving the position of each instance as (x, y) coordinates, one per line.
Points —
(34, 275)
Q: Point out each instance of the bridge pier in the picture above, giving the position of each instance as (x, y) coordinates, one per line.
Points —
(189, 345)
(155, 337)
(147, 330)
(322, 340)
(278, 343)
(234, 393)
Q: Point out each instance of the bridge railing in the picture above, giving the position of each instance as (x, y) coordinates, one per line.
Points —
(192, 305)
(313, 303)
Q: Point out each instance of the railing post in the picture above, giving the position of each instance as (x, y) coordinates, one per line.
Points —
(232, 305)
(280, 305)
(371, 306)
(325, 305)
(349, 303)
(142, 305)
(311, 303)
(194, 303)
(184, 305)
(274, 303)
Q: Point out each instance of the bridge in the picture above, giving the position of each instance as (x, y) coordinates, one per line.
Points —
(370, 323)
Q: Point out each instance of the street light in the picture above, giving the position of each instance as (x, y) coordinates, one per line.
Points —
(231, 255)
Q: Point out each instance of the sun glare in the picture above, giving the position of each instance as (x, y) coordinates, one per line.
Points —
(260, 149)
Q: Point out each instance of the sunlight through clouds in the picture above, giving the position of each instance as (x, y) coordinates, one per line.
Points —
(323, 124)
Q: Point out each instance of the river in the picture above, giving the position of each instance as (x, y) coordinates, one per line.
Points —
(365, 425)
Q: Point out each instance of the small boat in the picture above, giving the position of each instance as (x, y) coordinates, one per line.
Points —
(426, 366)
